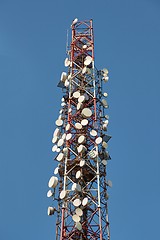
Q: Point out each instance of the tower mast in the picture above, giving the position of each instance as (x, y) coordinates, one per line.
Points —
(81, 184)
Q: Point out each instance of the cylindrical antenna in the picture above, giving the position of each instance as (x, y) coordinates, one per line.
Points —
(67, 46)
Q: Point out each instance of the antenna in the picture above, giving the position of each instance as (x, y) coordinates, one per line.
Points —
(67, 46)
(79, 184)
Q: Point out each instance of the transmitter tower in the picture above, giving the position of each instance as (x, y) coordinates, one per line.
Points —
(79, 186)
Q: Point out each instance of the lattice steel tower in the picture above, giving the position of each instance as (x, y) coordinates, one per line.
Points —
(80, 142)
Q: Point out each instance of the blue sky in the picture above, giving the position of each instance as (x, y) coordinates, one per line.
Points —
(32, 53)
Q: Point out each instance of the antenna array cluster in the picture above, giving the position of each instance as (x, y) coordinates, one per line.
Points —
(80, 183)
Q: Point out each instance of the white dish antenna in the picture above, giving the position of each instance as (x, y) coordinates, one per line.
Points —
(69, 76)
(59, 122)
(84, 122)
(76, 94)
(78, 174)
(66, 83)
(60, 116)
(76, 218)
(64, 136)
(77, 202)
(58, 150)
(79, 105)
(63, 194)
(104, 127)
(98, 140)
(78, 126)
(53, 182)
(82, 163)
(56, 132)
(79, 212)
(93, 133)
(106, 121)
(60, 156)
(87, 60)
(70, 110)
(104, 102)
(76, 187)
(86, 113)
(50, 211)
(79, 226)
(85, 201)
(63, 76)
(104, 162)
(75, 21)
(105, 71)
(84, 70)
(81, 148)
(84, 46)
(54, 139)
(68, 136)
(106, 117)
(65, 151)
(54, 148)
(81, 139)
(67, 62)
(49, 193)
(63, 104)
(81, 99)
(60, 142)
(89, 57)
(105, 94)
(56, 170)
(67, 127)
(105, 79)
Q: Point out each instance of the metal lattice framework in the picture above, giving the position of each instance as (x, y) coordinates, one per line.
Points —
(80, 142)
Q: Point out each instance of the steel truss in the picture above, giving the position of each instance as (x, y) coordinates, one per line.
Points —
(92, 182)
